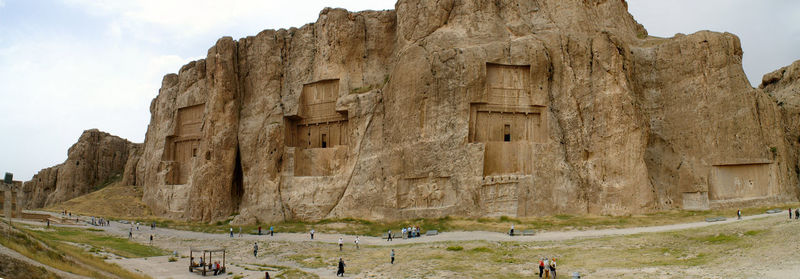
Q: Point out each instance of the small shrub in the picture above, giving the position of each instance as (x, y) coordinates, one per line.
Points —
(173, 259)
(455, 248)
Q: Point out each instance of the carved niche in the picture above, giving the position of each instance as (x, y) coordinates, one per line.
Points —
(319, 131)
(181, 147)
(507, 120)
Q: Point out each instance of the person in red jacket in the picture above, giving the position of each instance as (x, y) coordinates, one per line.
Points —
(541, 267)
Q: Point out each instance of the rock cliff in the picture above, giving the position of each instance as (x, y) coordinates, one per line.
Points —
(96, 159)
(468, 108)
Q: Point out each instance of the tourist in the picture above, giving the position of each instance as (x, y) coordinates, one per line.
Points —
(403, 232)
(409, 231)
(797, 213)
(546, 268)
(312, 234)
(511, 232)
(266, 275)
(340, 269)
(202, 261)
(137, 226)
(553, 267)
(216, 267)
(541, 267)
(739, 214)
(389, 238)
(356, 241)
(341, 243)
(231, 231)
(392, 255)
(259, 230)
(255, 249)
(271, 231)
(151, 240)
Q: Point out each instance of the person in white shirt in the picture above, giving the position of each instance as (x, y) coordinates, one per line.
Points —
(356, 241)
(340, 244)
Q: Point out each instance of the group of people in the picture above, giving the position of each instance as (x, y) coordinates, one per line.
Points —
(411, 231)
(547, 268)
(99, 222)
(215, 267)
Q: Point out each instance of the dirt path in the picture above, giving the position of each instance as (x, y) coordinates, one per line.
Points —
(144, 231)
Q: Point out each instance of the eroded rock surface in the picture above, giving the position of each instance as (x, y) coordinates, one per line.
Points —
(468, 108)
(96, 159)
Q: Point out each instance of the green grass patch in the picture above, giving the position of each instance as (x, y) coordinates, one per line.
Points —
(717, 238)
(112, 244)
(454, 248)
(754, 232)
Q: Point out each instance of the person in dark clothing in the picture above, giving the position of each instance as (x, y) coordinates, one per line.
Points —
(340, 269)
(797, 213)
(390, 236)
(255, 249)
(541, 267)
(259, 230)
(266, 275)
(739, 214)
(392, 256)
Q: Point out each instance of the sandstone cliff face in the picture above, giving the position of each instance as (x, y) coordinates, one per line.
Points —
(469, 108)
(95, 159)
(783, 85)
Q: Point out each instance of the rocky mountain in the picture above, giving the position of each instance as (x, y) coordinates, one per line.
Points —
(96, 159)
(465, 108)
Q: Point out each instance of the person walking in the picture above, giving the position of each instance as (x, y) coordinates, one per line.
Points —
(392, 255)
(271, 231)
(340, 269)
(739, 214)
(389, 238)
(797, 213)
(553, 267)
(151, 240)
(511, 232)
(130, 234)
(541, 267)
(356, 241)
(231, 231)
(255, 249)
(341, 243)
(266, 275)
(312, 234)
(259, 230)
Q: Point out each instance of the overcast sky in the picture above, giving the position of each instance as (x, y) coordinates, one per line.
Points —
(71, 65)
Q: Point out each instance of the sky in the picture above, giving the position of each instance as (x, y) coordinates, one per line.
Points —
(71, 65)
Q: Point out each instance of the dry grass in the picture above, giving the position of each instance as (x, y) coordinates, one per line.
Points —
(114, 201)
(62, 256)
(722, 250)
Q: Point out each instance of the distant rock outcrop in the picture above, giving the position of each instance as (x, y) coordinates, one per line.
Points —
(96, 159)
